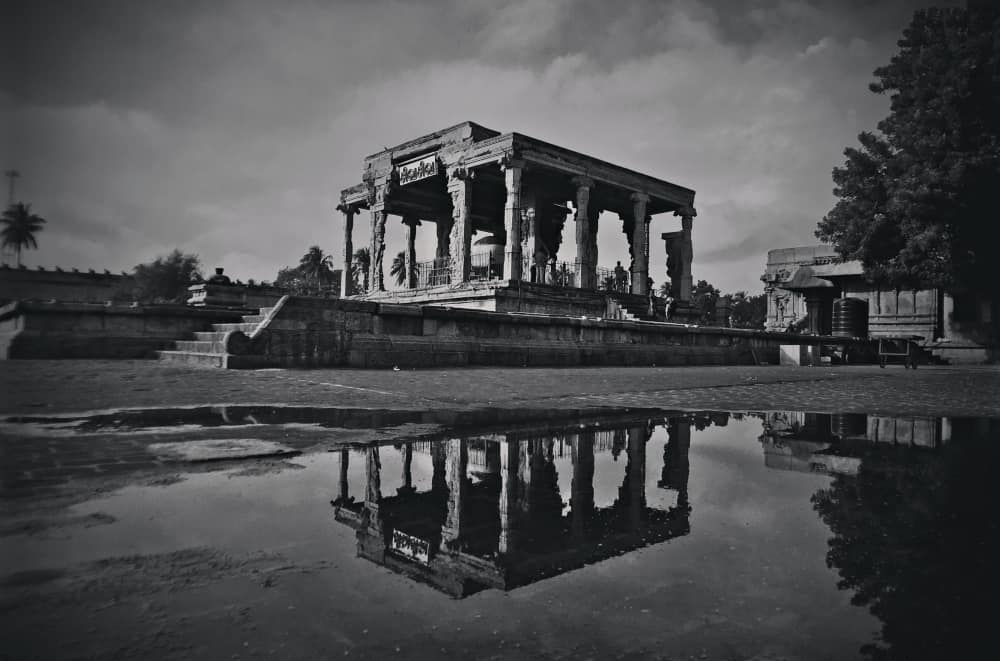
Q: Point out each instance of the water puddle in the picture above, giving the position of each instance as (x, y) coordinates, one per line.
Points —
(713, 535)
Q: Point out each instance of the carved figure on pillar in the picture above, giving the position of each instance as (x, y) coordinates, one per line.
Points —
(376, 277)
(672, 244)
(459, 186)
(512, 264)
(687, 215)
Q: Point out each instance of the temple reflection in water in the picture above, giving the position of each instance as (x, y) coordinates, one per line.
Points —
(493, 513)
(836, 443)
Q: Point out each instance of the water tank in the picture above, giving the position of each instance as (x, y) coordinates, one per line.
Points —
(850, 317)
(849, 425)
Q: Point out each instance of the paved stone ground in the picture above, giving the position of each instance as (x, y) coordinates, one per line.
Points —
(38, 465)
(51, 387)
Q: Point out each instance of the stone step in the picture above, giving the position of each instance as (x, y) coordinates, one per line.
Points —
(199, 346)
(197, 359)
(224, 328)
(217, 360)
(210, 336)
(253, 318)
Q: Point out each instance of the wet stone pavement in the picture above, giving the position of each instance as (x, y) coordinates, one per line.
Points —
(646, 513)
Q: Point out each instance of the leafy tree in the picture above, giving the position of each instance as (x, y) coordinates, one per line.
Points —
(20, 227)
(749, 311)
(316, 267)
(291, 280)
(166, 279)
(703, 298)
(916, 200)
(360, 266)
(311, 277)
(916, 541)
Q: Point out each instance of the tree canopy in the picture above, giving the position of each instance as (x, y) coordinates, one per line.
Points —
(20, 227)
(312, 277)
(167, 278)
(749, 311)
(360, 265)
(916, 200)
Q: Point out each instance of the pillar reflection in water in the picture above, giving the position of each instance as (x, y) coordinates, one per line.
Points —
(456, 463)
(494, 515)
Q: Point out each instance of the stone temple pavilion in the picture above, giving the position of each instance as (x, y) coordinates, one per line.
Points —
(519, 192)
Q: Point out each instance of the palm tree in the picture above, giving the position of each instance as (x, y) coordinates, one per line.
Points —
(360, 265)
(316, 267)
(20, 227)
(398, 269)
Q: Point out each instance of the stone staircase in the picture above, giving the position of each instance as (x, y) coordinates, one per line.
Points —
(208, 348)
(636, 306)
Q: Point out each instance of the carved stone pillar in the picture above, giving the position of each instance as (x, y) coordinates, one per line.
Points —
(344, 494)
(409, 254)
(347, 254)
(512, 260)
(687, 215)
(459, 187)
(509, 453)
(373, 483)
(585, 268)
(456, 467)
(582, 496)
(407, 487)
(635, 476)
(640, 243)
(376, 277)
(439, 463)
(676, 466)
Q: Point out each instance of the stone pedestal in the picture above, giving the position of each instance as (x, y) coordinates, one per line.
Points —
(211, 295)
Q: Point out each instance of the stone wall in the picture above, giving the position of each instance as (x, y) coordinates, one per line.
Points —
(41, 284)
(315, 332)
(81, 330)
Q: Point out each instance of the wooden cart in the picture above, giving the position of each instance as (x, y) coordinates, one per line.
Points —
(902, 346)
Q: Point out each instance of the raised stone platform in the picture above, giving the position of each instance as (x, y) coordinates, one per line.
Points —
(521, 296)
(309, 332)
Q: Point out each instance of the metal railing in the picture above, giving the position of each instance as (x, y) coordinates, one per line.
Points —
(433, 273)
(485, 267)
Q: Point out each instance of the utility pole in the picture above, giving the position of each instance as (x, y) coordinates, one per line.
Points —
(12, 175)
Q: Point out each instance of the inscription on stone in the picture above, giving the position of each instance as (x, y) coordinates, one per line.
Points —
(417, 170)
(410, 546)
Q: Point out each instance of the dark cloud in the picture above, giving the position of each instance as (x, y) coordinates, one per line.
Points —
(227, 128)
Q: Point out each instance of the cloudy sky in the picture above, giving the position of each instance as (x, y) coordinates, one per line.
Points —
(227, 129)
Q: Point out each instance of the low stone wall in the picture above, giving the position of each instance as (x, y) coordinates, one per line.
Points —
(18, 284)
(31, 329)
(314, 332)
